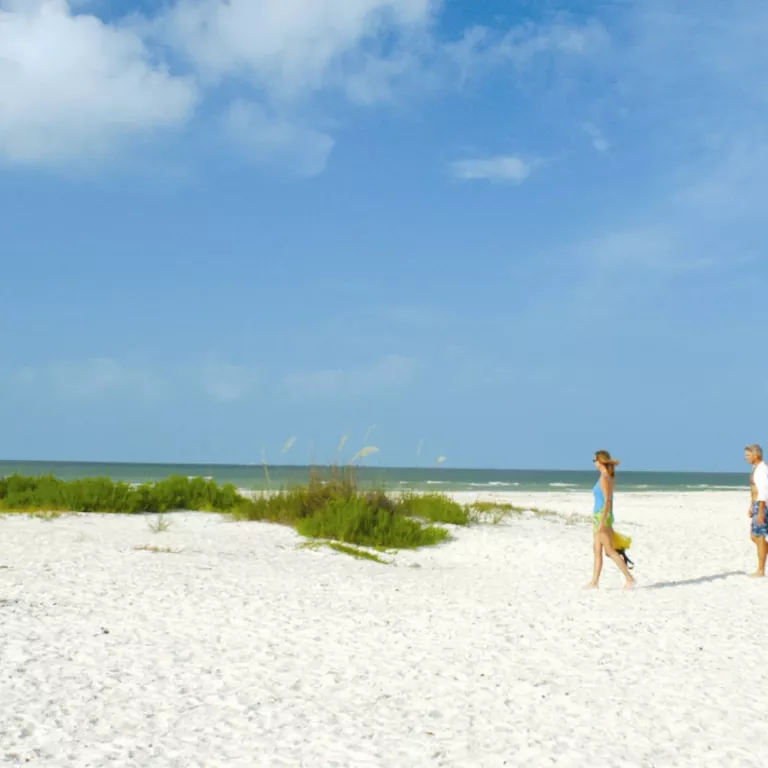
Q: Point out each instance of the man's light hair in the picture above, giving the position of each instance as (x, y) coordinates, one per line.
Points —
(755, 449)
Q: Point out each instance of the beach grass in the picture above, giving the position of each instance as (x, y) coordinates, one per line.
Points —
(433, 507)
(333, 506)
(289, 506)
(330, 506)
(491, 512)
(156, 550)
(359, 554)
(358, 520)
(494, 512)
(345, 549)
(160, 525)
(35, 512)
(100, 494)
(495, 506)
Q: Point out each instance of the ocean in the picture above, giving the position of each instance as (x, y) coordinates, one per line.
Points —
(253, 477)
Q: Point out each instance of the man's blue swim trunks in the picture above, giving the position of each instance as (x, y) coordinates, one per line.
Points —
(759, 531)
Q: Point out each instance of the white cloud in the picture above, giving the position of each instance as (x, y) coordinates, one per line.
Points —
(101, 377)
(599, 142)
(522, 43)
(292, 46)
(481, 48)
(276, 141)
(226, 382)
(384, 375)
(656, 248)
(688, 106)
(89, 378)
(735, 184)
(503, 168)
(376, 78)
(72, 86)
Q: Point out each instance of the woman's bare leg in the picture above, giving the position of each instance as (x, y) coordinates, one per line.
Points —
(597, 551)
(607, 544)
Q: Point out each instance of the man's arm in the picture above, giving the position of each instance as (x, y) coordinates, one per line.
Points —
(761, 484)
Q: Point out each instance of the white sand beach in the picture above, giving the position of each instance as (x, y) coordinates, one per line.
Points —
(241, 649)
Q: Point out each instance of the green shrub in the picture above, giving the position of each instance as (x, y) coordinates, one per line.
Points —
(100, 494)
(20, 492)
(177, 492)
(355, 521)
(434, 507)
(290, 506)
(328, 507)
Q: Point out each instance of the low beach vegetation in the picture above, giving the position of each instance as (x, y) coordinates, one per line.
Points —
(434, 507)
(100, 494)
(156, 550)
(160, 525)
(331, 507)
(345, 549)
(357, 521)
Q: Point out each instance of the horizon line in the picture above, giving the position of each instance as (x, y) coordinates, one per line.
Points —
(440, 468)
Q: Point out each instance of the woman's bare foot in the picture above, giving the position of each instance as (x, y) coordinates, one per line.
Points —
(591, 585)
(630, 584)
(758, 575)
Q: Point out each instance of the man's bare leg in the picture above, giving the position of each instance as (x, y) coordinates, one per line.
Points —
(597, 549)
(762, 552)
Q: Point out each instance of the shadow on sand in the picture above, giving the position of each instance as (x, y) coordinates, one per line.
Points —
(700, 580)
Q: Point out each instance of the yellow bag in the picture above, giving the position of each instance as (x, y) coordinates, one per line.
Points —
(621, 542)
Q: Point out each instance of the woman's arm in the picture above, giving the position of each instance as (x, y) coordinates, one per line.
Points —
(605, 486)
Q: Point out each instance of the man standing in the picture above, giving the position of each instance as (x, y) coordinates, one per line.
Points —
(758, 482)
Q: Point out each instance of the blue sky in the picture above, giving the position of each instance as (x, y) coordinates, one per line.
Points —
(519, 231)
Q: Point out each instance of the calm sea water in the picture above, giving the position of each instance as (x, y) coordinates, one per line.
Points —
(253, 477)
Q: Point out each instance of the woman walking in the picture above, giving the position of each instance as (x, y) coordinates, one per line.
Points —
(602, 520)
